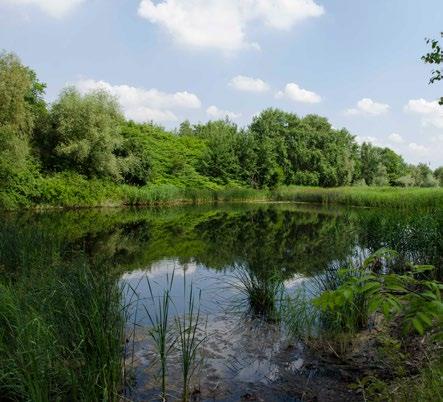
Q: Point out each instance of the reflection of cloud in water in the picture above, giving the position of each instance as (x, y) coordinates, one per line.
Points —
(295, 281)
(161, 268)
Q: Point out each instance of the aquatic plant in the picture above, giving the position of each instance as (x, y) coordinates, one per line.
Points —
(159, 330)
(261, 290)
(189, 338)
(69, 344)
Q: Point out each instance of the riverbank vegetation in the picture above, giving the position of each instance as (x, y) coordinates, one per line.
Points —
(62, 334)
(80, 151)
(380, 322)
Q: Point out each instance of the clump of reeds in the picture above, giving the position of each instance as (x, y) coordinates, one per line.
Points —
(159, 331)
(62, 335)
(189, 339)
(262, 291)
(395, 197)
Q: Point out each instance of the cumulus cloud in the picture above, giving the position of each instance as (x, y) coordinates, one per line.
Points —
(221, 24)
(293, 92)
(143, 105)
(419, 149)
(396, 138)
(431, 111)
(216, 113)
(367, 106)
(368, 139)
(55, 8)
(248, 84)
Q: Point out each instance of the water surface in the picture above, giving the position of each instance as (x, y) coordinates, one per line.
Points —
(244, 355)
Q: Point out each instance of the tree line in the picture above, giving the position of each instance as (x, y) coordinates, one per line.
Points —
(87, 135)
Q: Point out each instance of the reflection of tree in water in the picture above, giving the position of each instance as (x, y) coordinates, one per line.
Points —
(418, 237)
(285, 238)
(276, 239)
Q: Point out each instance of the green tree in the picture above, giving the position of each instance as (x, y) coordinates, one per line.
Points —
(435, 56)
(369, 160)
(220, 160)
(86, 134)
(394, 163)
(423, 176)
(438, 174)
(21, 105)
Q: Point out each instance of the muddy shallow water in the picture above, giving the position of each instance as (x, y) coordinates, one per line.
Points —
(243, 357)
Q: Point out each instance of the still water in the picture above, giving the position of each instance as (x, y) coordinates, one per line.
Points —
(245, 355)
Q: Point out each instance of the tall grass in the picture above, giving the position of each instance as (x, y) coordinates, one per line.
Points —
(69, 190)
(62, 335)
(189, 339)
(159, 331)
(262, 291)
(395, 197)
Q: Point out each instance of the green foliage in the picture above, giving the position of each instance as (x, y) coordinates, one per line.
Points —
(302, 151)
(438, 174)
(21, 105)
(159, 331)
(86, 134)
(69, 345)
(381, 166)
(21, 96)
(85, 140)
(423, 176)
(402, 198)
(410, 297)
(435, 56)
(189, 339)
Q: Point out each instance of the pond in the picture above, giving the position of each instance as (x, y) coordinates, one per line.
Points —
(224, 253)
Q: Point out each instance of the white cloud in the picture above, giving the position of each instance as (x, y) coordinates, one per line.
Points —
(368, 139)
(55, 8)
(420, 150)
(221, 24)
(431, 111)
(248, 84)
(216, 113)
(396, 138)
(367, 106)
(284, 14)
(143, 105)
(293, 92)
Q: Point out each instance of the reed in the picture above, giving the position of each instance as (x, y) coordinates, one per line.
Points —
(159, 331)
(391, 197)
(189, 338)
(262, 291)
(69, 344)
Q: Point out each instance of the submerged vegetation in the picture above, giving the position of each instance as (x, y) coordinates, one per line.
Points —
(80, 151)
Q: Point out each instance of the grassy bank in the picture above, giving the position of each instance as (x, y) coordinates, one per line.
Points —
(390, 197)
(74, 191)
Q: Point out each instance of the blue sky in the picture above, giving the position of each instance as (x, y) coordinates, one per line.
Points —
(355, 62)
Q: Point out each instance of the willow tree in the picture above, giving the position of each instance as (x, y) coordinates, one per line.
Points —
(86, 134)
(21, 105)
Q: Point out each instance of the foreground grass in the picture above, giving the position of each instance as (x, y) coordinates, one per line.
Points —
(61, 335)
(74, 191)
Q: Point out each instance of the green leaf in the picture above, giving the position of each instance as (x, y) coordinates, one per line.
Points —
(418, 326)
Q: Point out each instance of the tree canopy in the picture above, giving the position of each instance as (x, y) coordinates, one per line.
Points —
(87, 135)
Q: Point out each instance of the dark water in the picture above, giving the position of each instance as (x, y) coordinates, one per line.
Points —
(212, 248)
